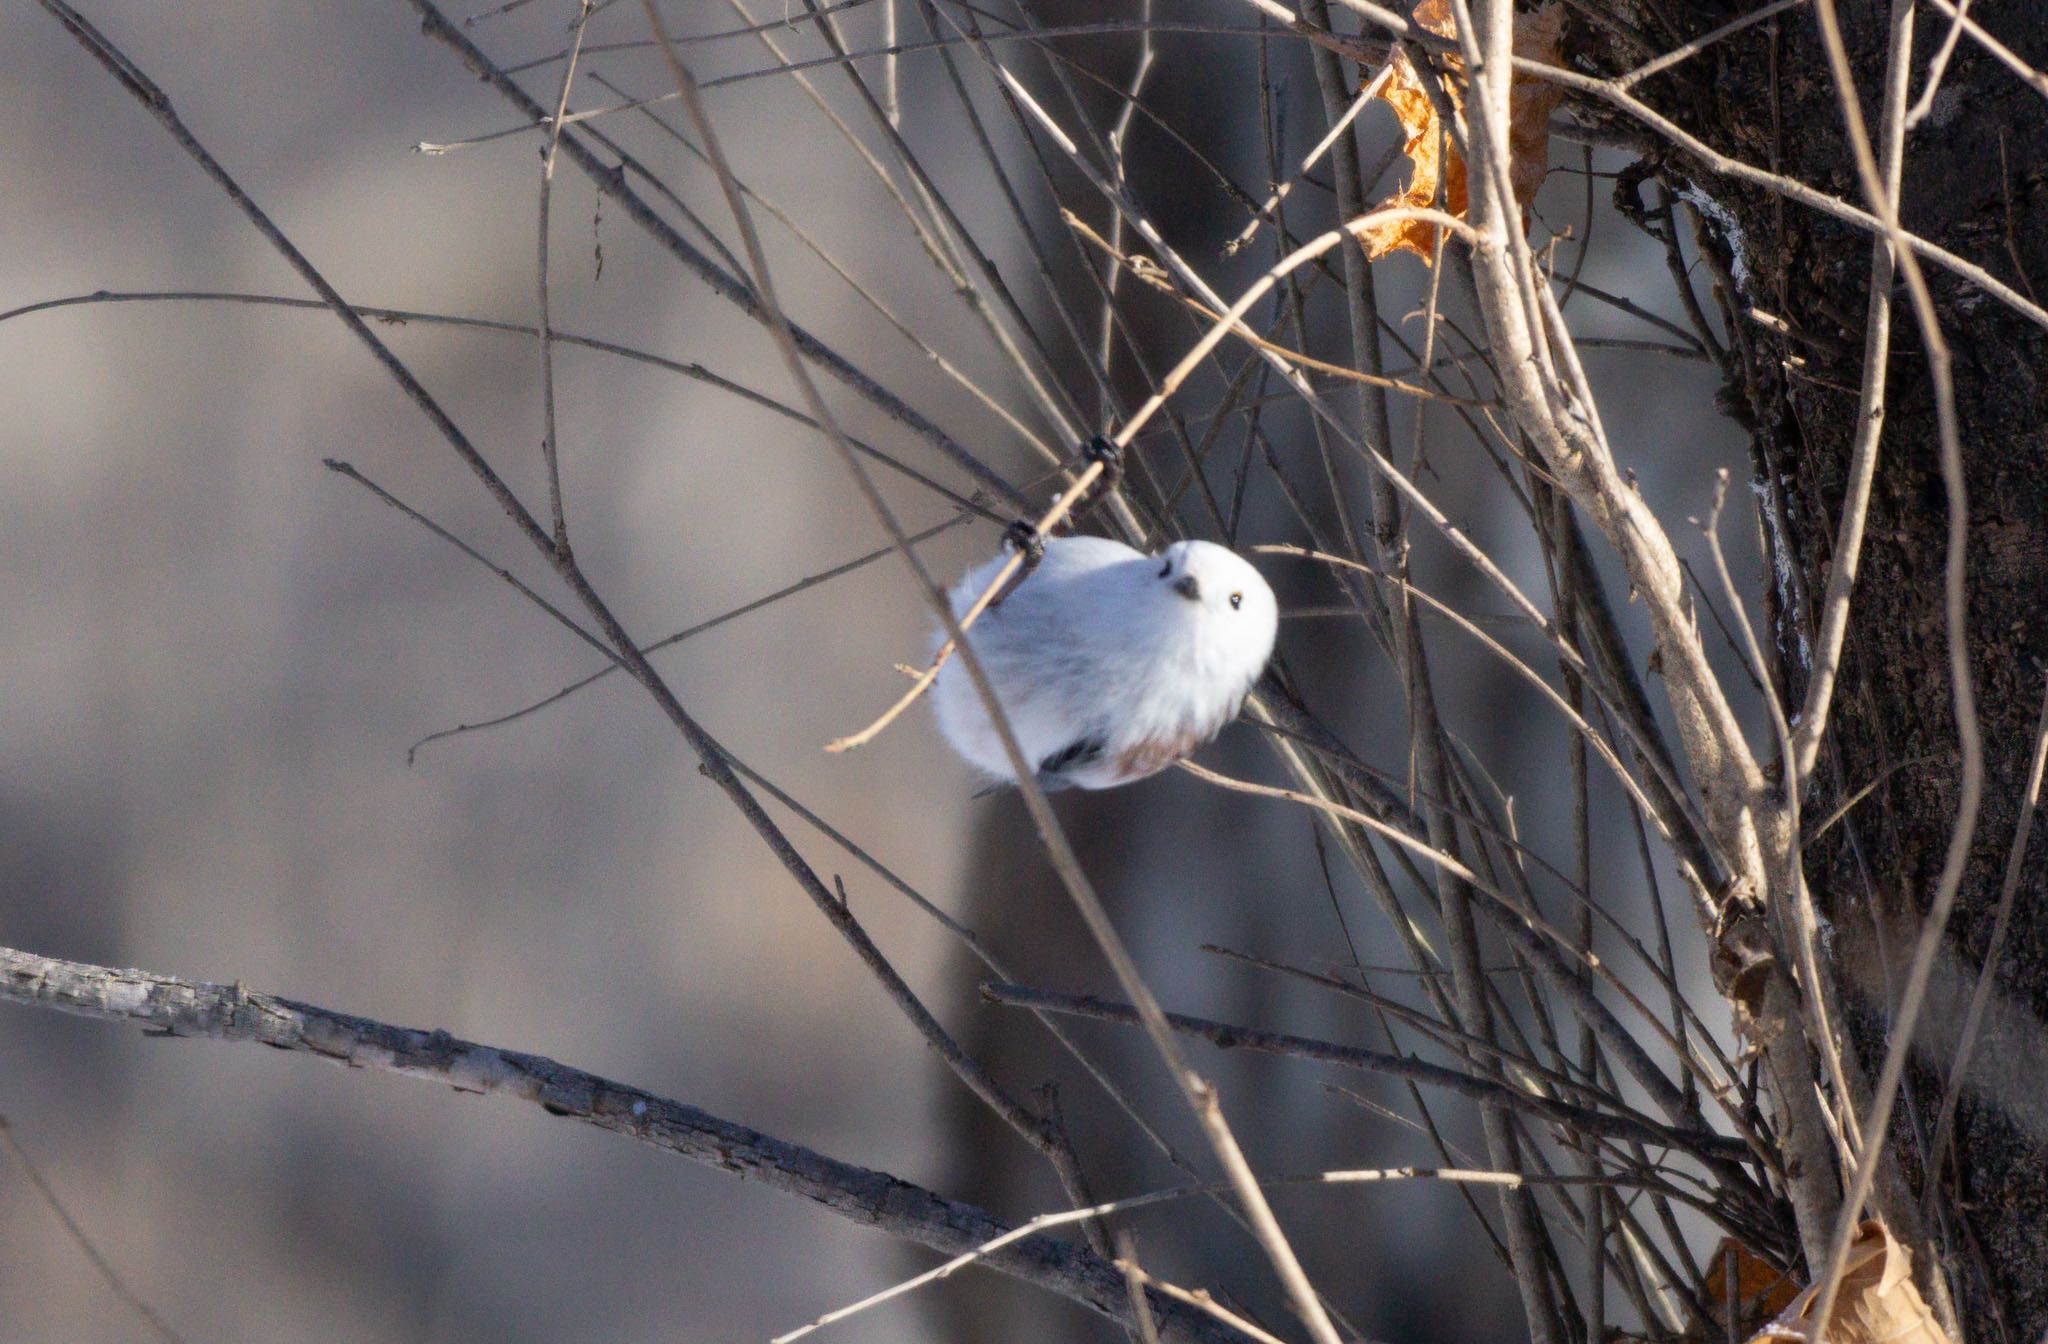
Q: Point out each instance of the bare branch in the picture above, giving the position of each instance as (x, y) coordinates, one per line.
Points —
(1962, 690)
(611, 182)
(1227, 1037)
(167, 1006)
(549, 446)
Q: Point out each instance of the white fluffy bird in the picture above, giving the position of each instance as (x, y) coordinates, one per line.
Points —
(1110, 664)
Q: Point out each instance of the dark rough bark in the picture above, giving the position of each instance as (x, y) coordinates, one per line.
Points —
(1976, 182)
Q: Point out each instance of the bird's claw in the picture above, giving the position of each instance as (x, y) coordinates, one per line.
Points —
(1022, 537)
(1111, 455)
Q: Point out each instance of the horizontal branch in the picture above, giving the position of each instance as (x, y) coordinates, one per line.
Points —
(1574, 1119)
(173, 1007)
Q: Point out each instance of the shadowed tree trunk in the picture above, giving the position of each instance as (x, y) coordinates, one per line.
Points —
(1976, 183)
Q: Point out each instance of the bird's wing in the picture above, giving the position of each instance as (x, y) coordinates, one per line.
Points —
(1053, 771)
(1081, 751)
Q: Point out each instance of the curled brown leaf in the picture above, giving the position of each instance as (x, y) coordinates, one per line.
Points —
(1877, 1303)
(1433, 157)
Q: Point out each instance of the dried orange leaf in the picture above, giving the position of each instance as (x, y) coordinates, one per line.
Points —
(1877, 1304)
(1539, 36)
(1744, 1288)
(1434, 159)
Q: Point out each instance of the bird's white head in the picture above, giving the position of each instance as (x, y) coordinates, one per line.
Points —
(1238, 616)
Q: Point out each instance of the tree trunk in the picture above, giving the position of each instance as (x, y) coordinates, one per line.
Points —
(1976, 183)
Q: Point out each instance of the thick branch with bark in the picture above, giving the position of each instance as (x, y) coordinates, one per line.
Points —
(172, 1007)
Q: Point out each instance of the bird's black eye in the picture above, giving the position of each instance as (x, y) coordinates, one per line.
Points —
(1236, 601)
(1166, 569)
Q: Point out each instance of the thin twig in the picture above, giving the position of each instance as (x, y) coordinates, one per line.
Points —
(549, 446)
(86, 1247)
(1994, 949)
(688, 632)
(561, 617)
(1152, 1199)
(1962, 690)
(2005, 56)
(406, 316)
(1225, 1036)
(1127, 1261)
(1119, 135)
(1201, 1301)
(1811, 721)
(1848, 805)
(1150, 273)
(610, 182)
(1937, 67)
(1366, 93)
(1688, 50)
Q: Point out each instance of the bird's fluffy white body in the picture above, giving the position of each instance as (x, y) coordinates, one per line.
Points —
(1110, 664)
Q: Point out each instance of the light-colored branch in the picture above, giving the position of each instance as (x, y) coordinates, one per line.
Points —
(1201, 1300)
(1119, 136)
(1790, 896)
(1962, 690)
(1148, 271)
(1959, 15)
(1686, 51)
(1811, 722)
(1154, 1198)
(167, 1006)
(1560, 424)
(1937, 67)
(1338, 126)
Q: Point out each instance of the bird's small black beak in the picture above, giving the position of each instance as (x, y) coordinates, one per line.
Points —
(1186, 586)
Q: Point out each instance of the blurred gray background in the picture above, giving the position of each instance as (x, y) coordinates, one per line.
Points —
(217, 653)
